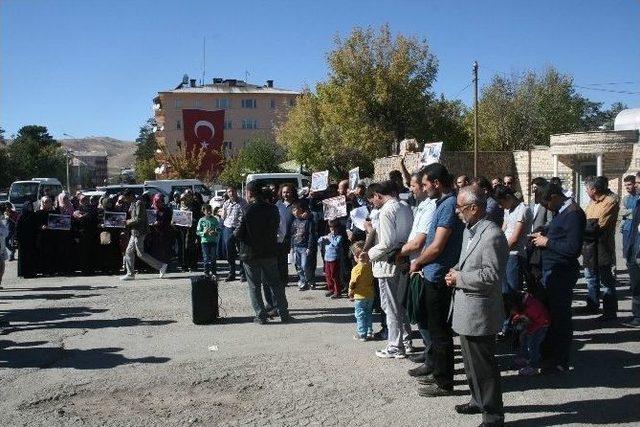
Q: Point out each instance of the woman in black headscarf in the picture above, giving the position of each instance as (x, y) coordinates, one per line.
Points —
(26, 233)
(46, 240)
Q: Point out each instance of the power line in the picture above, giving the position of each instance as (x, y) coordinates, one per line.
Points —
(609, 83)
(463, 89)
(607, 90)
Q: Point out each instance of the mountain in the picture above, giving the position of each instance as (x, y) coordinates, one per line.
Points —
(120, 153)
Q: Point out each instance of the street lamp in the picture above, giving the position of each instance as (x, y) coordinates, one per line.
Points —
(68, 156)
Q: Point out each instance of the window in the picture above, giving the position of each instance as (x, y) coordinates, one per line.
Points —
(273, 104)
(292, 102)
(178, 125)
(197, 103)
(228, 124)
(249, 103)
(178, 144)
(227, 145)
(222, 103)
(178, 104)
(249, 124)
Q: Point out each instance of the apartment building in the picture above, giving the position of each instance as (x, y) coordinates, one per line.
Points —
(249, 109)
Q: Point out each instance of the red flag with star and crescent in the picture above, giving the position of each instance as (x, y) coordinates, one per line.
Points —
(204, 130)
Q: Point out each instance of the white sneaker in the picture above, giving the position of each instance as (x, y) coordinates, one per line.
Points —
(127, 277)
(390, 354)
(163, 270)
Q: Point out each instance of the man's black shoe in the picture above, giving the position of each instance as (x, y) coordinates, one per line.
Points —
(381, 335)
(420, 371)
(587, 309)
(418, 358)
(467, 409)
(260, 321)
(426, 380)
(272, 312)
(434, 390)
(287, 319)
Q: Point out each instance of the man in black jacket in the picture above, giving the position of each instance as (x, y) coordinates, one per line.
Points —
(257, 241)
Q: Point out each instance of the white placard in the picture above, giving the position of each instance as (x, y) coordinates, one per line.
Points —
(59, 222)
(359, 216)
(354, 178)
(182, 218)
(431, 153)
(335, 207)
(319, 181)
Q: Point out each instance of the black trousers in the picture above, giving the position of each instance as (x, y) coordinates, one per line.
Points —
(483, 376)
(437, 299)
(283, 262)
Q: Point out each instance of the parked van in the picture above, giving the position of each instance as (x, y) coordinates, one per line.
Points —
(298, 180)
(30, 191)
(169, 186)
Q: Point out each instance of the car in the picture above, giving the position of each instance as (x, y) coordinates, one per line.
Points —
(30, 191)
(137, 190)
(298, 180)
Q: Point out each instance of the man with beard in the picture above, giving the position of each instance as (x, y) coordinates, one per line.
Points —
(478, 307)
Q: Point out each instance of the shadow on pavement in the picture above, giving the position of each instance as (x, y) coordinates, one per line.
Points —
(27, 355)
(620, 410)
(46, 296)
(59, 288)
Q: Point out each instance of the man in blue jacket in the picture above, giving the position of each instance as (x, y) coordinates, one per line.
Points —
(561, 245)
(631, 253)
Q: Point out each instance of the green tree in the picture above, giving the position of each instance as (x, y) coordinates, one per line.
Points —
(260, 155)
(147, 145)
(34, 153)
(378, 92)
(521, 110)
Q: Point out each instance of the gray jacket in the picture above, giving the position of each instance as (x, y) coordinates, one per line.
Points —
(477, 306)
(139, 224)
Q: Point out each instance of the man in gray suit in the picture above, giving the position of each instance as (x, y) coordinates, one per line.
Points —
(477, 307)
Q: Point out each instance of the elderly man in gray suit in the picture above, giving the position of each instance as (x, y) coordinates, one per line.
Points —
(478, 307)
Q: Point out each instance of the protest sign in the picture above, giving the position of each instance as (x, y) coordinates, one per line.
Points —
(319, 181)
(182, 218)
(431, 153)
(151, 216)
(59, 222)
(359, 216)
(354, 178)
(335, 207)
(115, 219)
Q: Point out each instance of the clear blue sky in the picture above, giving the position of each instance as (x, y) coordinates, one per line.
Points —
(89, 67)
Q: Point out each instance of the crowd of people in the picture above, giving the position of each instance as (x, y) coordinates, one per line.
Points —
(446, 254)
(450, 254)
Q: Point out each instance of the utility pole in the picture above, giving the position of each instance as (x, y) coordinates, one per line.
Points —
(475, 118)
(68, 157)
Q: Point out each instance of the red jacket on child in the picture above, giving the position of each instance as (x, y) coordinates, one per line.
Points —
(536, 312)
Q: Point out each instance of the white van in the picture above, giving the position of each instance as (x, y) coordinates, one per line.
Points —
(298, 180)
(32, 190)
(169, 186)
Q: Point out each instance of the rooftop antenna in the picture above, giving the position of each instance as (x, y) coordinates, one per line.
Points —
(246, 76)
(204, 58)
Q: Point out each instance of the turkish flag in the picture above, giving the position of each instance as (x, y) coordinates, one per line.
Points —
(204, 130)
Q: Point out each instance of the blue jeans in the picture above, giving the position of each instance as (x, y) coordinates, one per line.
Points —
(634, 279)
(530, 346)
(209, 257)
(512, 284)
(264, 271)
(609, 297)
(302, 266)
(364, 316)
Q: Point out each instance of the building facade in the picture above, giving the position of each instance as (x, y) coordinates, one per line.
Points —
(89, 169)
(250, 110)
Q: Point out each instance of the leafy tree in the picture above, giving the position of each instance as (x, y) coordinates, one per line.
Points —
(260, 155)
(147, 145)
(521, 110)
(34, 153)
(184, 164)
(378, 92)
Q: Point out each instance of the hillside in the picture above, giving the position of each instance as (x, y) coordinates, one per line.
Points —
(120, 152)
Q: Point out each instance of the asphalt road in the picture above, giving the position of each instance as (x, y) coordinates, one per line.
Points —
(95, 351)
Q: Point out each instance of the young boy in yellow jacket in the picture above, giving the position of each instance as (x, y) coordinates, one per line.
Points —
(361, 291)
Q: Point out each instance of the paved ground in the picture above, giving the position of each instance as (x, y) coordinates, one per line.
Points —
(94, 351)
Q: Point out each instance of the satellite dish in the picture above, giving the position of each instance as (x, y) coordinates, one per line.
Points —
(185, 79)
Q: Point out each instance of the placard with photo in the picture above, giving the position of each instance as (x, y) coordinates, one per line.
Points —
(182, 218)
(115, 220)
(59, 222)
